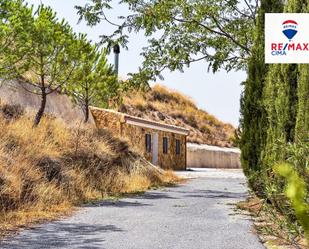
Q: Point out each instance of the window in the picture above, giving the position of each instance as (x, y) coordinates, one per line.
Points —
(148, 142)
(165, 145)
(177, 147)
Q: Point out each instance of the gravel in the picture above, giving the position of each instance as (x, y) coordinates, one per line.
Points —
(196, 215)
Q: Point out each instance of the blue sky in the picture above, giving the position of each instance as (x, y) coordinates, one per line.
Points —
(217, 93)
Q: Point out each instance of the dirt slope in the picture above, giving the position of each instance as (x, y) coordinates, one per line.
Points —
(46, 170)
(164, 105)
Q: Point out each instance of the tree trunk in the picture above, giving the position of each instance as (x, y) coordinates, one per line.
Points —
(86, 112)
(40, 112)
(87, 103)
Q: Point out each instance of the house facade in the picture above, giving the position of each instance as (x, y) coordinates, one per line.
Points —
(161, 144)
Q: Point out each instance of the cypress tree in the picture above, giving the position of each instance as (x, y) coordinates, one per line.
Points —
(285, 100)
(253, 120)
(290, 81)
(302, 123)
(302, 120)
(281, 103)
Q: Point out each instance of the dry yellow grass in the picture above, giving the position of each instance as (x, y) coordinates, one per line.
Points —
(171, 107)
(45, 171)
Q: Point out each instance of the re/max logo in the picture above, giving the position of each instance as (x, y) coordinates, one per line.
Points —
(282, 48)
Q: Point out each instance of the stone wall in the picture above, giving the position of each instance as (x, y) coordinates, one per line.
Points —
(205, 156)
(135, 135)
(107, 120)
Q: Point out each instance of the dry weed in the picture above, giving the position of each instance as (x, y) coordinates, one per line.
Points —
(45, 170)
(172, 107)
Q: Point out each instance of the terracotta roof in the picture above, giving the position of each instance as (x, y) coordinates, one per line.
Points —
(147, 123)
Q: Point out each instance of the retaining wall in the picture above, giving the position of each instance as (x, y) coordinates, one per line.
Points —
(206, 156)
(59, 105)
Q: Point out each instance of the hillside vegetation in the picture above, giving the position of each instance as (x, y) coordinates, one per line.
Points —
(171, 107)
(47, 169)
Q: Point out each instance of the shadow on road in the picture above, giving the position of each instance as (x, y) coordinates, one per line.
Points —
(217, 194)
(116, 203)
(64, 235)
(154, 196)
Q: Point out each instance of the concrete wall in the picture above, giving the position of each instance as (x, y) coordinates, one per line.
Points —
(59, 105)
(205, 156)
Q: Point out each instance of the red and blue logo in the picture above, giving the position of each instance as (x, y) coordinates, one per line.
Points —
(290, 29)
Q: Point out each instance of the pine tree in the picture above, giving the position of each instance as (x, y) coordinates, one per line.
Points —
(15, 27)
(93, 81)
(50, 50)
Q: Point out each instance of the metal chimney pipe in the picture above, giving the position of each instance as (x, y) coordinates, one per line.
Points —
(116, 52)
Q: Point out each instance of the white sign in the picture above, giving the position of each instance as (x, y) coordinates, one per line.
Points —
(287, 38)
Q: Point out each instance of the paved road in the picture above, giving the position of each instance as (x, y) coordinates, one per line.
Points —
(197, 214)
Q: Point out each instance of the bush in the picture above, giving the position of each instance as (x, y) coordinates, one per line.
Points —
(297, 193)
(11, 111)
(205, 129)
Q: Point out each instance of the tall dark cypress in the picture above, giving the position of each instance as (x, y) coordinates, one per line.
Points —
(253, 121)
(302, 118)
(290, 79)
(302, 121)
(281, 103)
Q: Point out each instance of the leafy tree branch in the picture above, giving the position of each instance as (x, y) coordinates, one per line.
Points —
(182, 31)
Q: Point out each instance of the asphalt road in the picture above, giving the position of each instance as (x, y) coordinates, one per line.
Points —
(198, 214)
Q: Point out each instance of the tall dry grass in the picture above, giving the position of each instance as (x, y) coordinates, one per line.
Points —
(172, 107)
(46, 170)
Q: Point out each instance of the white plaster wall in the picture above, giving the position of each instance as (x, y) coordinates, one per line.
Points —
(205, 156)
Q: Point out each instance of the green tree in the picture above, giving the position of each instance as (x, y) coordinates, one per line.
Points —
(281, 102)
(284, 99)
(302, 121)
(183, 31)
(93, 82)
(253, 121)
(15, 21)
(297, 193)
(50, 56)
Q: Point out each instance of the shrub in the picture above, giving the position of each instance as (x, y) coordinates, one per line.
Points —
(12, 111)
(205, 129)
(297, 193)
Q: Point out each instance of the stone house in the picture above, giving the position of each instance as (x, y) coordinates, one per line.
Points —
(163, 145)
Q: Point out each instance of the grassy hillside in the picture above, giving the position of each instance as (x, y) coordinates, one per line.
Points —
(163, 105)
(46, 170)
